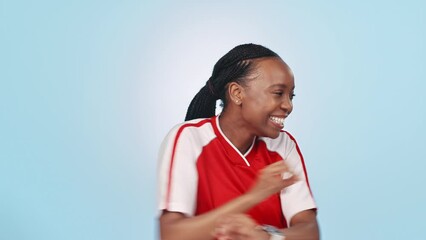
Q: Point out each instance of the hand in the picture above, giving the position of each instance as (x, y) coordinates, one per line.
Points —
(239, 227)
(272, 179)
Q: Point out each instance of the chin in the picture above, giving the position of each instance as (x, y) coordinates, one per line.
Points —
(268, 132)
(273, 135)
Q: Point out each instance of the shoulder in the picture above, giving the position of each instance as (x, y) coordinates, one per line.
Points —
(284, 142)
(197, 130)
(192, 127)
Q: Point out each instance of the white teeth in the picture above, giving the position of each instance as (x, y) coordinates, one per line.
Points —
(277, 120)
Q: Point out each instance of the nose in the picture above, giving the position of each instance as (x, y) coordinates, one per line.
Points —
(287, 105)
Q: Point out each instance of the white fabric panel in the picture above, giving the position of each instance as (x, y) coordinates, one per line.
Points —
(184, 180)
(297, 197)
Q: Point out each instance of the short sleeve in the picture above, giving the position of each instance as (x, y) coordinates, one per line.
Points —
(297, 197)
(177, 174)
(177, 166)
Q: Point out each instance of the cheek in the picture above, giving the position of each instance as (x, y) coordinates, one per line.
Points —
(255, 112)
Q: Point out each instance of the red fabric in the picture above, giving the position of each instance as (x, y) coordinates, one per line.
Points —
(211, 172)
(221, 180)
(223, 176)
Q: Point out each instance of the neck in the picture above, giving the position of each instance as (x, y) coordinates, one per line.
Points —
(236, 132)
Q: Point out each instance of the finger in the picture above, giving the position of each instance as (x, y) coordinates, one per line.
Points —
(240, 221)
(276, 165)
(218, 231)
(223, 238)
(283, 169)
(282, 172)
(279, 166)
(290, 181)
(288, 174)
(238, 230)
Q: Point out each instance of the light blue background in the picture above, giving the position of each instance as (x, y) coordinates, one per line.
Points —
(88, 89)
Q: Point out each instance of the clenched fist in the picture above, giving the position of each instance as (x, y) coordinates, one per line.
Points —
(272, 179)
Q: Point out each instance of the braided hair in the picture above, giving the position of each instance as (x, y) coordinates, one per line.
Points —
(234, 66)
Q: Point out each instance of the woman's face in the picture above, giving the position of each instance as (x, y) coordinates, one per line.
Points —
(267, 99)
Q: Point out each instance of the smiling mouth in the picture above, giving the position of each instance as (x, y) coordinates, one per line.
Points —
(277, 120)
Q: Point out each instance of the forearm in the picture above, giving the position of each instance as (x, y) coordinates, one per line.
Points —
(303, 231)
(202, 226)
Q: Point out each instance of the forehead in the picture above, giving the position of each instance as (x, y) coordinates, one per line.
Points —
(272, 71)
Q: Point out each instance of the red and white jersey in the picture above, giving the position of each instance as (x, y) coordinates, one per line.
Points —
(200, 169)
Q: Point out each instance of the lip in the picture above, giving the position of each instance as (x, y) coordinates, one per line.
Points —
(276, 125)
(280, 116)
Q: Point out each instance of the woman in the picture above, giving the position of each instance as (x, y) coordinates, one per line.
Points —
(237, 175)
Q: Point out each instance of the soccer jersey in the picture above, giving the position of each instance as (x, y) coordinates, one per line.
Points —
(200, 170)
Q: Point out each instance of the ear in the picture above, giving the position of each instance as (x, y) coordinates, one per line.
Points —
(235, 92)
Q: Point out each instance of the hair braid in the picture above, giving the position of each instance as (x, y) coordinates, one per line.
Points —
(234, 66)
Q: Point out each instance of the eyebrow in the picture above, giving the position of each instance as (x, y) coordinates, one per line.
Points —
(281, 85)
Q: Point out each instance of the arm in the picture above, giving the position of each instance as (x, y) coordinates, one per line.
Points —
(303, 225)
(174, 225)
(297, 204)
(241, 227)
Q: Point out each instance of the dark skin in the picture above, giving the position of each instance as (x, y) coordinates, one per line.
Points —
(270, 93)
(248, 114)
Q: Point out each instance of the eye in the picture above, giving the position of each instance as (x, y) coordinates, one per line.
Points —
(292, 96)
(279, 93)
